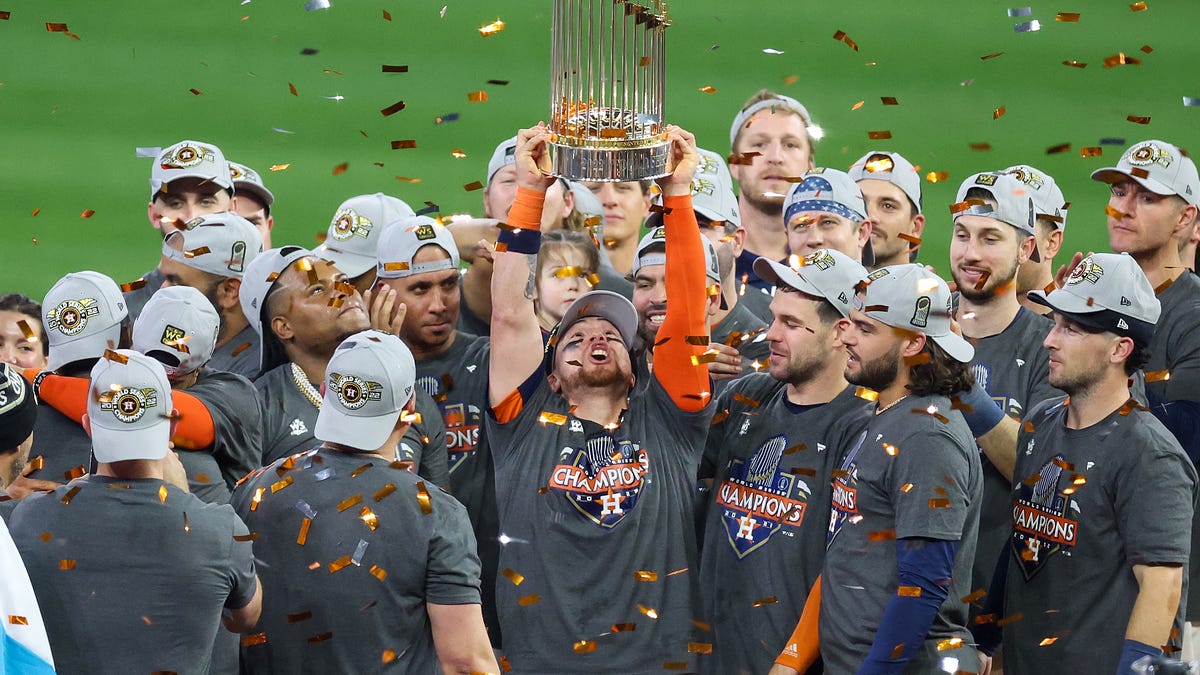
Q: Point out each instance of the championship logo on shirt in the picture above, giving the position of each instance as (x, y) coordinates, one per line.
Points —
(983, 375)
(70, 317)
(603, 479)
(1045, 516)
(845, 491)
(757, 499)
(462, 421)
(129, 405)
(347, 223)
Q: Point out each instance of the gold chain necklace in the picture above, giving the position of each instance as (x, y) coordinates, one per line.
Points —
(877, 412)
(310, 392)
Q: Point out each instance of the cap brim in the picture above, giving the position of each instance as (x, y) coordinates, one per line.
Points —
(612, 307)
(779, 274)
(1063, 301)
(361, 433)
(1112, 175)
(261, 193)
(83, 348)
(145, 443)
(351, 264)
(958, 348)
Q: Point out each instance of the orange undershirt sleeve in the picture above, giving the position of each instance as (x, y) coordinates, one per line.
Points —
(803, 647)
(684, 332)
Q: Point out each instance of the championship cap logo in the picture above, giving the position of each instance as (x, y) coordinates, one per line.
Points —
(129, 404)
(237, 257)
(175, 338)
(707, 165)
(187, 156)
(425, 233)
(660, 233)
(354, 392)
(70, 317)
(703, 186)
(1028, 177)
(347, 223)
(1147, 154)
(1086, 270)
(822, 260)
(988, 179)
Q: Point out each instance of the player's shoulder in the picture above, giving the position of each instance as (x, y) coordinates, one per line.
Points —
(222, 384)
(758, 387)
(273, 379)
(1043, 410)
(1181, 300)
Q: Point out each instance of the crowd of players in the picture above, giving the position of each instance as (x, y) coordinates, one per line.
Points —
(681, 425)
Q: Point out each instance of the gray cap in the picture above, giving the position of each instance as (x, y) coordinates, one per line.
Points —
(82, 315)
(1048, 199)
(1014, 202)
(612, 307)
(778, 102)
(129, 408)
(890, 167)
(247, 180)
(1110, 292)
(260, 277)
(912, 298)
(178, 325)
(712, 190)
(829, 191)
(825, 273)
(352, 240)
(502, 156)
(657, 239)
(218, 243)
(190, 159)
(368, 382)
(400, 243)
(1158, 166)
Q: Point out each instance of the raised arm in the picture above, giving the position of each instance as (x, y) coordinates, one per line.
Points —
(516, 335)
(684, 332)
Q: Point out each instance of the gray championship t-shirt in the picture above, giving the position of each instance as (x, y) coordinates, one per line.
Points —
(1014, 368)
(289, 417)
(1088, 505)
(385, 543)
(910, 474)
(238, 355)
(601, 535)
(751, 341)
(63, 445)
(457, 381)
(136, 299)
(757, 300)
(132, 578)
(764, 542)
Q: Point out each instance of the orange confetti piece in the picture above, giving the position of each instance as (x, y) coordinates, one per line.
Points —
(257, 499)
(858, 105)
(162, 494)
(890, 449)
(889, 100)
(915, 241)
(279, 167)
(795, 448)
(299, 616)
(393, 109)
(675, 665)
(527, 600)
(1067, 17)
(254, 639)
(1146, 49)
(623, 627)
(66, 499)
(764, 602)
(383, 492)
(909, 591)
(302, 536)
(66, 564)
(292, 88)
(404, 145)
(253, 536)
(645, 575)
(457, 153)
(339, 564)
(841, 36)
(406, 179)
(423, 499)
(879, 135)
(320, 638)
(980, 147)
(897, 650)
(87, 213)
(281, 484)
(18, 620)
(648, 611)
(368, 516)
(1138, 7)
(746, 400)
(378, 572)
(1158, 376)
(700, 647)
(45, 536)
(939, 503)
(1075, 64)
(36, 211)
(477, 96)
(473, 186)
(5, 15)
(585, 646)
(1009, 619)
(952, 643)
(341, 168)
(1110, 211)
(512, 575)
(708, 90)
(936, 176)
(1138, 119)
(387, 16)
(998, 112)
(56, 27)
(195, 92)
(882, 535)
(720, 417)
(552, 418)
(1055, 149)
(989, 57)
(1119, 59)
(1091, 152)
(978, 595)
(491, 29)
(395, 69)
(866, 394)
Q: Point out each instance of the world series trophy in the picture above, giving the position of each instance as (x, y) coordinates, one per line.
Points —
(606, 89)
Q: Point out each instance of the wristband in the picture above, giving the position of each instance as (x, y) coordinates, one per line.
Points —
(1133, 651)
(979, 409)
(519, 241)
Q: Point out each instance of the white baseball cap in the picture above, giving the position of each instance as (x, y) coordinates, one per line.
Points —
(502, 156)
(824, 273)
(1048, 199)
(1158, 166)
(368, 382)
(247, 180)
(1014, 202)
(218, 243)
(257, 282)
(1110, 292)
(656, 239)
(777, 102)
(829, 191)
(129, 407)
(178, 327)
(190, 159)
(712, 189)
(587, 203)
(352, 241)
(889, 167)
(912, 298)
(82, 315)
(400, 243)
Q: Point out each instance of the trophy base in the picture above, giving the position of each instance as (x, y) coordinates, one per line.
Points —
(574, 162)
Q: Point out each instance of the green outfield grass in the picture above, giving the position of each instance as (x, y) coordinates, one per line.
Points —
(72, 111)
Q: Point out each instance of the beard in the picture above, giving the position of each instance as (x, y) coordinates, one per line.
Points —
(996, 284)
(602, 377)
(879, 373)
(798, 372)
(768, 205)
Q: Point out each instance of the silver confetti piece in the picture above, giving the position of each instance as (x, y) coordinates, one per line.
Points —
(1191, 102)
(358, 552)
(308, 511)
(1028, 26)
(327, 472)
(313, 5)
(153, 151)
(1020, 11)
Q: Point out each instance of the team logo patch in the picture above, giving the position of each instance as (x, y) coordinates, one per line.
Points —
(988, 179)
(353, 392)
(822, 260)
(129, 404)
(708, 165)
(425, 233)
(1045, 517)
(844, 506)
(187, 156)
(70, 317)
(174, 337)
(920, 317)
(878, 274)
(194, 223)
(703, 186)
(237, 257)
(659, 233)
(462, 421)
(347, 223)
(1147, 154)
(1086, 270)
(757, 499)
(603, 479)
